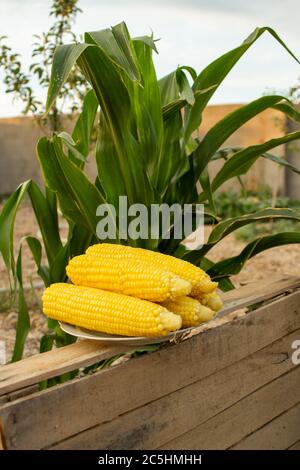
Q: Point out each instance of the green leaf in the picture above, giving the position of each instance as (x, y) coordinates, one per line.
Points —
(7, 221)
(224, 128)
(172, 108)
(83, 128)
(170, 160)
(55, 180)
(47, 342)
(147, 105)
(207, 189)
(71, 145)
(125, 43)
(186, 92)
(225, 284)
(280, 161)
(80, 240)
(169, 89)
(117, 43)
(148, 40)
(289, 110)
(216, 71)
(46, 217)
(59, 264)
(183, 189)
(233, 265)
(224, 228)
(228, 152)
(242, 160)
(36, 250)
(225, 153)
(190, 70)
(79, 143)
(52, 203)
(109, 85)
(78, 197)
(23, 322)
(112, 182)
(175, 86)
(84, 193)
(64, 59)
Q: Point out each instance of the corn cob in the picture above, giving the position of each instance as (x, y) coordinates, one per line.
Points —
(191, 311)
(201, 282)
(212, 300)
(127, 276)
(108, 312)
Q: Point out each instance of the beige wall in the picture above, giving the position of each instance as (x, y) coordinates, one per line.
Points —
(18, 137)
(267, 125)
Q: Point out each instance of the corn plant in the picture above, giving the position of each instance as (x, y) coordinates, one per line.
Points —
(147, 150)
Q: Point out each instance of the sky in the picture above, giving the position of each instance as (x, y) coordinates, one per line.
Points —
(191, 32)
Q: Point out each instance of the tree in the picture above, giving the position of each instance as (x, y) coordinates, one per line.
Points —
(294, 92)
(19, 82)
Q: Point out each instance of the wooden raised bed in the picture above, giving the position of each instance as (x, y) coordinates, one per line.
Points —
(231, 386)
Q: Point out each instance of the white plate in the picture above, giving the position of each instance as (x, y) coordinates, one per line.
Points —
(117, 339)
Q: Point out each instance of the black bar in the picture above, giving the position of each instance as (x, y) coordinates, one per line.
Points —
(135, 459)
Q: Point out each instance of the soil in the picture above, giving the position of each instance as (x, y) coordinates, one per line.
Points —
(282, 261)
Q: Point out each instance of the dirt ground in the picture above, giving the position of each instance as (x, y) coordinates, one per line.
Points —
(283, 261)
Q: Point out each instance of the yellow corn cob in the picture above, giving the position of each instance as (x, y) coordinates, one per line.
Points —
(126, 276)
(201, 282)
(109, 312)
(191, 311)
(212, 300)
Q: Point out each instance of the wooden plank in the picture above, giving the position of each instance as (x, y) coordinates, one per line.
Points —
(64, 410)
(18, 394)
(33, 369)
(256, 292)
(2, 440)
(295, 446)
(174, 414)
(252, 412)
(279, 434)
(84, 353)
(264, 287)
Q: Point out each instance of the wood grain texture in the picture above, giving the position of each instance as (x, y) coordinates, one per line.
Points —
(264, 288)
(1, 442)
(295, 446)
(256, 292)
(84, 353)
(8, 397)
(2, 439)
(279, 434)
(34, 369)
(172, 415)
(62, 411)
(243, 418)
